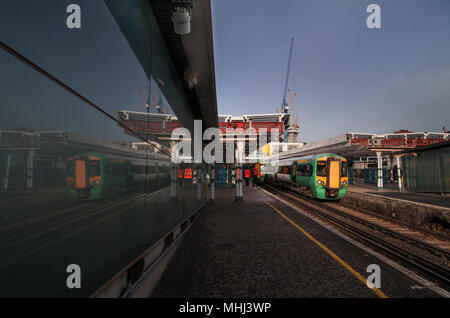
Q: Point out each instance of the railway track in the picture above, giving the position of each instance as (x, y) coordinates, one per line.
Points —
(428, 257)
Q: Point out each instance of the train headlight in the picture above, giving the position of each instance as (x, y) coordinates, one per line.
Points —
(320, 182)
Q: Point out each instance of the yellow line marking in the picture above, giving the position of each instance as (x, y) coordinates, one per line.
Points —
(64, 237)
(326, 249)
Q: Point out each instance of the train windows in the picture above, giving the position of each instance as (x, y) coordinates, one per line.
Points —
(321, 169)
(94, 169)
(109, 169)
(115, 170)
(139, 169)
(70, 171)
(309, 170)
(286, 170)
(304, 170)
(343, 168)
(301, 170)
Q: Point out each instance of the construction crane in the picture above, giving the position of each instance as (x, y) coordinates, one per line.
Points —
(146, 97)
(284, 105)
(291, 106)
(147, 105)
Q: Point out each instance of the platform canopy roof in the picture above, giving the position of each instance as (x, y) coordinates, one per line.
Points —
(362, 144)
(64, 144)
(166, 56)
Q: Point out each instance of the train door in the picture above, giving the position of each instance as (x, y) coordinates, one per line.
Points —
(80, 174)
(334, 170)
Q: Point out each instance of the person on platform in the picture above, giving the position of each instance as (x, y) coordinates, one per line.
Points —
(188, 178)
(180, 175)
(395, 173)
(255, 177)
(247, 175)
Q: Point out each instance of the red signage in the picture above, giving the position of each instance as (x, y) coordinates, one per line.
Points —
(159, 127)
(156, 127)
(396, 141)
(256, 125)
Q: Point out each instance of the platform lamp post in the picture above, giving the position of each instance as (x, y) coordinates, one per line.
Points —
(379, 171)
(30, 168)
(199, 181)
(239, 196)
(213, 178)
(8, 168)
(239, 157)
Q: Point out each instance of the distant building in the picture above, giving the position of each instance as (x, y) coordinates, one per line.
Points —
(403, 131)
(152, 146)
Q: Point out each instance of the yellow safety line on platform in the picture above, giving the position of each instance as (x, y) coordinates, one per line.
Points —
(326, 249)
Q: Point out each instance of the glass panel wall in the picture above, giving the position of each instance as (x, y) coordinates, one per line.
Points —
(77, 187)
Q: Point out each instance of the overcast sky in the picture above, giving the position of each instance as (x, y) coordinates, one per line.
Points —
(347, 77)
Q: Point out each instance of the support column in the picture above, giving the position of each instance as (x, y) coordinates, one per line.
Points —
(213, 180)
(379, 171)
(239, 194)
(239, 157)
(8, 168)
(236, 181)
(30, 169)
(389, 167)
(199, 182)
(173, 182)
(399, 174)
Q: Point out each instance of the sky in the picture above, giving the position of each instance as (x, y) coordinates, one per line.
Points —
(347, 77)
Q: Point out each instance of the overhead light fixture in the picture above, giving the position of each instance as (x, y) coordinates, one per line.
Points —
(181, 16)
(191, 77)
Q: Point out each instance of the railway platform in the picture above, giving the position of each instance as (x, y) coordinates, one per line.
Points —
(417, 209)
(264, 247)
(391, 190)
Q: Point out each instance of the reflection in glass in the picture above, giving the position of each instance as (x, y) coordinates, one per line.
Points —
(76, 187)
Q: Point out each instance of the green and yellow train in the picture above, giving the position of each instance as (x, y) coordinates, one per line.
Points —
(93, 176)
(323, 176)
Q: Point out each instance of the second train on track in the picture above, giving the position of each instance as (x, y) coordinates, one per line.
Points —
(323, 176)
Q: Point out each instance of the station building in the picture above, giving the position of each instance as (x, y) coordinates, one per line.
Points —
(242, 129)
(380, 152)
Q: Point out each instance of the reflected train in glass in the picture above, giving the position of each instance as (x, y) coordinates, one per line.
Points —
(93, 176)
(322, 176)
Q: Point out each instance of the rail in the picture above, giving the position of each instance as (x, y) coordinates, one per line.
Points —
(431, 269)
